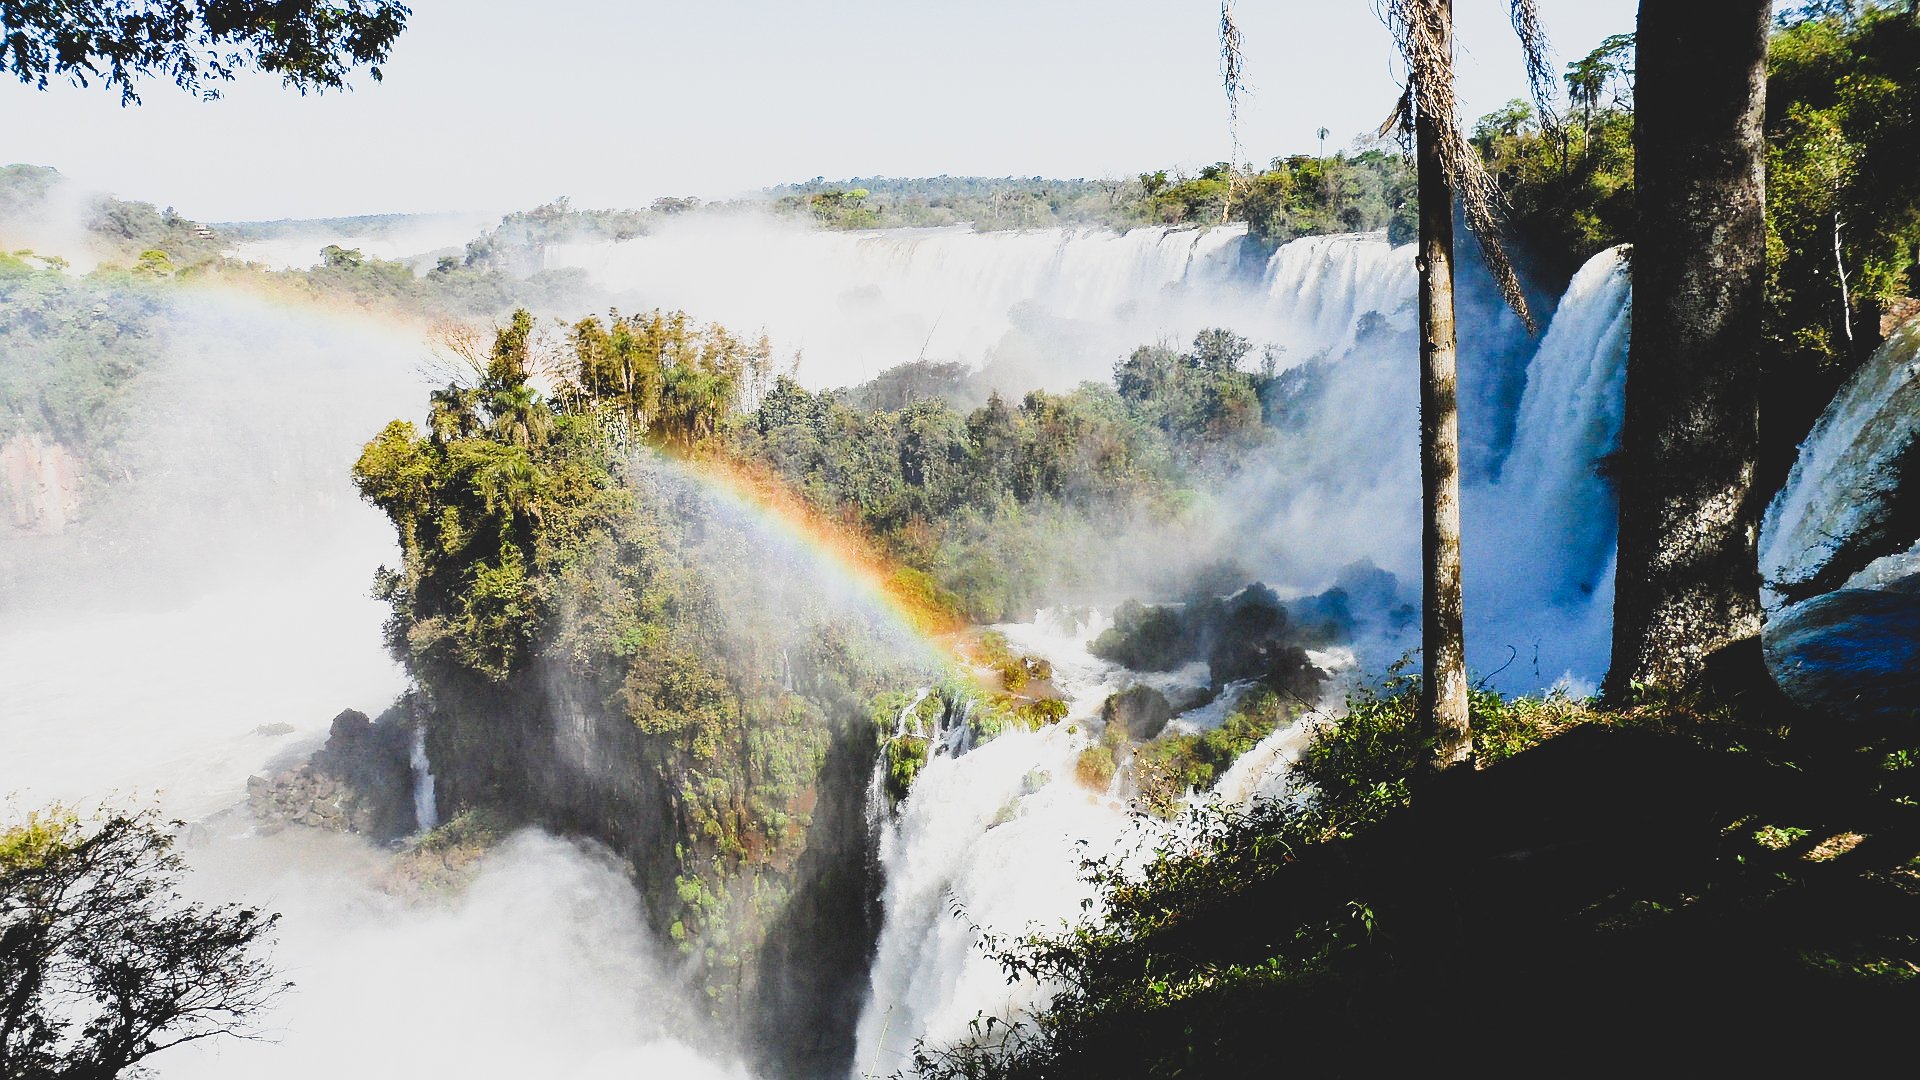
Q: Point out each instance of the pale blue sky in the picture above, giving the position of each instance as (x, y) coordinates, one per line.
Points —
(492, 104)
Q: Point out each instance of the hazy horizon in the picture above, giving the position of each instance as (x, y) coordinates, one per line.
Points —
(584, 102)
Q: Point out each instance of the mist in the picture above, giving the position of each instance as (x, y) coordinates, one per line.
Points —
(202, 623)
(540, 966)
(416, 239)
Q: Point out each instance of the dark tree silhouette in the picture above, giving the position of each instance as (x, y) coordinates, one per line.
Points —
(1448, 169)
(102, 963)
(1688, 585)
(197, 44)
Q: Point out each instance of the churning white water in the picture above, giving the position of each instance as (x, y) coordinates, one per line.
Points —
(540, 967)
(990, 839)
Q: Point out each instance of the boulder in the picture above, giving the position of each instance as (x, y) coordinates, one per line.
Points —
(1852, 654)
(1140, 712)
(360, 781)
(1854, 493)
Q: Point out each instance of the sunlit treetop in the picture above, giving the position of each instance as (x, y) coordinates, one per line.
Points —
(197, 44)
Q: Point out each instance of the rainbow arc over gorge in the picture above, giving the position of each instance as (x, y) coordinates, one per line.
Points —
(909, 599)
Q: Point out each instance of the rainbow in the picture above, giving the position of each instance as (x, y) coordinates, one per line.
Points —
(910, 600)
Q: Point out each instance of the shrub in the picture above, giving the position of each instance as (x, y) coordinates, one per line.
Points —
(1095, 767)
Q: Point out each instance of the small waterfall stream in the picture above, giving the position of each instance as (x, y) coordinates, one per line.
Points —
(426, 813)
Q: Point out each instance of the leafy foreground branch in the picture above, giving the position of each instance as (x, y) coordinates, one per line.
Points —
(1641, 887)
(102, 963)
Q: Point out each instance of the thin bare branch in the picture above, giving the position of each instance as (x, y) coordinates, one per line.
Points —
(1541, 82)
(1233, 80)
(1427, 50)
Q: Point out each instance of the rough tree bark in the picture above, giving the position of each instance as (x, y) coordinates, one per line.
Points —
(1687, 598)
(1443, 694)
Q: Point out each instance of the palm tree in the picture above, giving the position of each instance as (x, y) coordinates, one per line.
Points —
(510, 484)
(1448, 169)
(520, 417)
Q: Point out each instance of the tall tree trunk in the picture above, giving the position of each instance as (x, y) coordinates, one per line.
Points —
(1443, 694)
(1687, 598)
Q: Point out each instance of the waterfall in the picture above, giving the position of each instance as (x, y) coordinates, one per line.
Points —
(1834, 514)
(1540, 538)
(992, 837)
(1317, 289)
(1046, 307)
(425, 813)
(1569, 419)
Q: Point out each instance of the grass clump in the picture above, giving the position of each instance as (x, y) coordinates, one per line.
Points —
(1172, 765)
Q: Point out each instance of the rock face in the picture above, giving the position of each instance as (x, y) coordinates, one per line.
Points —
(1140, 712)
(1838, 549)
(533, 751)
(359, 782)
(39, 484)
(1854, 493)
(1853, 654)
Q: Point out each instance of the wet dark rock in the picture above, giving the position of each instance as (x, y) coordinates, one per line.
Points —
(1140, 712)
(1853, 654)
(1253, 634)
(1146, 638)
(358, 782)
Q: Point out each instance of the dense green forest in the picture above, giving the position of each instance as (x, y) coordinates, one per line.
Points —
(1292, 197)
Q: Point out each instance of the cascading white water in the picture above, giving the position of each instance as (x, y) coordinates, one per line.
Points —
(426, 811)
(1048, 307)
(1839, 483)
(1540, 538)
(1318, 288)
(1550, 485)
(991, 838)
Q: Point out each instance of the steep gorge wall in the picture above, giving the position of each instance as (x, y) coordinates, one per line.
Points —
(782, 967)
(40, 484)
